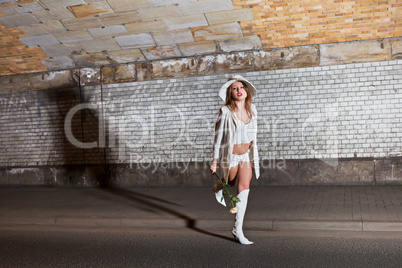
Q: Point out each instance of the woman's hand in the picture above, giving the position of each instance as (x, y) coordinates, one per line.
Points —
(214, 166)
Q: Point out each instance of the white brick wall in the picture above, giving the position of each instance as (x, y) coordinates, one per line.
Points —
(340, 111)
(164, 120)
(32, 128)
(343, 111)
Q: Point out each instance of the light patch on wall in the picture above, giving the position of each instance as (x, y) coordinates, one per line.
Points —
(14, 171)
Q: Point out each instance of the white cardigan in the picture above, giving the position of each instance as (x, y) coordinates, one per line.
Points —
(223, 144)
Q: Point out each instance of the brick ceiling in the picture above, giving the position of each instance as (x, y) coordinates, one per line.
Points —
(62, 34)
(43, 35)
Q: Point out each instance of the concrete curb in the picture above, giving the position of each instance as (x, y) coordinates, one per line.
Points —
(250, 224)
(389, 226)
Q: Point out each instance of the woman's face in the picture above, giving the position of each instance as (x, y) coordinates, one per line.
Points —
(238, 92)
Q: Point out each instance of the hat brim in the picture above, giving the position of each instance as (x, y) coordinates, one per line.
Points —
(236, 78)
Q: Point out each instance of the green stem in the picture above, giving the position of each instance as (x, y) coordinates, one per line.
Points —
(226, 191)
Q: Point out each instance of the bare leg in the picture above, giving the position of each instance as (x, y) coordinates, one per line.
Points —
(244, 174)
(233, 175)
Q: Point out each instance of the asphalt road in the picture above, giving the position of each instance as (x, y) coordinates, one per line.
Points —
(60, 247)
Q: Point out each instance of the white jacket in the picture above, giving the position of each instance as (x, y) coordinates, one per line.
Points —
(223, 144)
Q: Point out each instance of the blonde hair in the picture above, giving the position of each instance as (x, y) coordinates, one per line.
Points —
(230, 103)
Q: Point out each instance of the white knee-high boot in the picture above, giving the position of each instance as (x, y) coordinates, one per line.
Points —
(237, 230)
(218, 189)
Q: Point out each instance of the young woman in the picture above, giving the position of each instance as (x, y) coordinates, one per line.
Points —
(235, 145)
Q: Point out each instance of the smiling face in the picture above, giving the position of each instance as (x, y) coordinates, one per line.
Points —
(238, 91)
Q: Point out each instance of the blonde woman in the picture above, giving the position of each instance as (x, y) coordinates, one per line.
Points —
(235, 145)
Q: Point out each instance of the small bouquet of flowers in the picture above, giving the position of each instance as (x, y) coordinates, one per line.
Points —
(232, 198)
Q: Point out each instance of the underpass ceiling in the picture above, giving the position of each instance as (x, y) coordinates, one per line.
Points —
(44, 35)
(63, 34)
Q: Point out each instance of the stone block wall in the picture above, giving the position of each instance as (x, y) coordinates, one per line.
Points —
(320, 121)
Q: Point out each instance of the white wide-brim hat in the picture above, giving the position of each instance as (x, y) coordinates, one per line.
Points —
(224, 88)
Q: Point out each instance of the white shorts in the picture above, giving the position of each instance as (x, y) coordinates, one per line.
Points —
(236, 158)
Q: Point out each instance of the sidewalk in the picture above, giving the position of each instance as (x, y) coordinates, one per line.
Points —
(357, 208)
